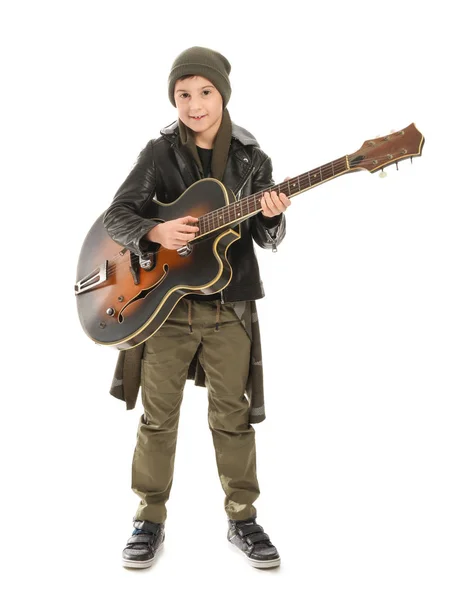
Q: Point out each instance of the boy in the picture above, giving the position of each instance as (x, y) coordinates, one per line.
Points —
(203, 142)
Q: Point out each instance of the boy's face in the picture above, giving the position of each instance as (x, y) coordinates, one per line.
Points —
(197, 97)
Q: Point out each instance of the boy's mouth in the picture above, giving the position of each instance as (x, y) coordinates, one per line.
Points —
(199, 118)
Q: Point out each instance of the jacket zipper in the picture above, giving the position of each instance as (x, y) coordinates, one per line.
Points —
(237, 195)
(240, 188)
(272, 239)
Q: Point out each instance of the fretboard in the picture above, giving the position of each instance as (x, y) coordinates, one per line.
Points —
(249, 206)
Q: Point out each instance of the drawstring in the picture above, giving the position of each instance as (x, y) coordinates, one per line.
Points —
(218, 314)
(189, 315)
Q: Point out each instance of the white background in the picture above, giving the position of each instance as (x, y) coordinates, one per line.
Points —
(356, 459)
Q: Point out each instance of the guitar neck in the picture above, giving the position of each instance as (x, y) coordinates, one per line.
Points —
(249, 206)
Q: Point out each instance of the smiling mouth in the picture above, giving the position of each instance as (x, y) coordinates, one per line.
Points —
(198, 118)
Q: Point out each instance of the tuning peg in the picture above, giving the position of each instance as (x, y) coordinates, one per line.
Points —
(382, 174)
(396, 164)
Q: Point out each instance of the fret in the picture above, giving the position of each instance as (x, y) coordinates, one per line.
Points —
(248, 206)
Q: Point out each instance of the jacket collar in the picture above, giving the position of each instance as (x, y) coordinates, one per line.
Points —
(171, 133)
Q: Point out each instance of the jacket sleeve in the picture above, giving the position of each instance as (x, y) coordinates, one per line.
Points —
(124, 220)
(267, 232)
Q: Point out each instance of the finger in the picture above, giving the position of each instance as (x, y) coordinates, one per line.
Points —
(187, 219)
(265, 208)
(284, 199)
(282, 202)
(184, 237)
(274, 205)
(268, 204)
(187, 228)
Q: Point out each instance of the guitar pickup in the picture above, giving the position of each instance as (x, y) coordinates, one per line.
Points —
(93, 280)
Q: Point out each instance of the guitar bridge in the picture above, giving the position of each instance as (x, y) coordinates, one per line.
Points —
(94, 279)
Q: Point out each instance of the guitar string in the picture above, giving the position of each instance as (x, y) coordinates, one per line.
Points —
(327, 169)
(112, 268)
(254, 198)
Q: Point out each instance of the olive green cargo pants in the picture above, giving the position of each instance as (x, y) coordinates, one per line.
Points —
(224, 353)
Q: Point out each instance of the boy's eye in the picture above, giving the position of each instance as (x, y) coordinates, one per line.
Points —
(185, 94)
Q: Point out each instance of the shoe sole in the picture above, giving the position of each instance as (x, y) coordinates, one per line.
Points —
(264, 564)
(258, 564)
(141, 564)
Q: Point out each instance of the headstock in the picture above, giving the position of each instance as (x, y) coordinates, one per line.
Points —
(379, 152)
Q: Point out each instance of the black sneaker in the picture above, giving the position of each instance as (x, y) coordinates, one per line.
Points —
(251, 539)
(142, 547)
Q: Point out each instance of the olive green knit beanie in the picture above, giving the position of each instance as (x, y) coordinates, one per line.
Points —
(205, 62)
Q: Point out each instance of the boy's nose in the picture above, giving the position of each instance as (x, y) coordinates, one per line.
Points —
(194, 105)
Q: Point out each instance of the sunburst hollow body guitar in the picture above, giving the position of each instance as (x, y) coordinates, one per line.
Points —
(122, 301)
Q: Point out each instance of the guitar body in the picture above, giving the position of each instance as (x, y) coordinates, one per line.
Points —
(114, 309)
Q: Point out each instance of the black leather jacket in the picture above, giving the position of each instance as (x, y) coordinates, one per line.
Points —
(164, 170)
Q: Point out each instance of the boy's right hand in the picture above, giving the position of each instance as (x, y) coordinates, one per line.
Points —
(174, 234)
